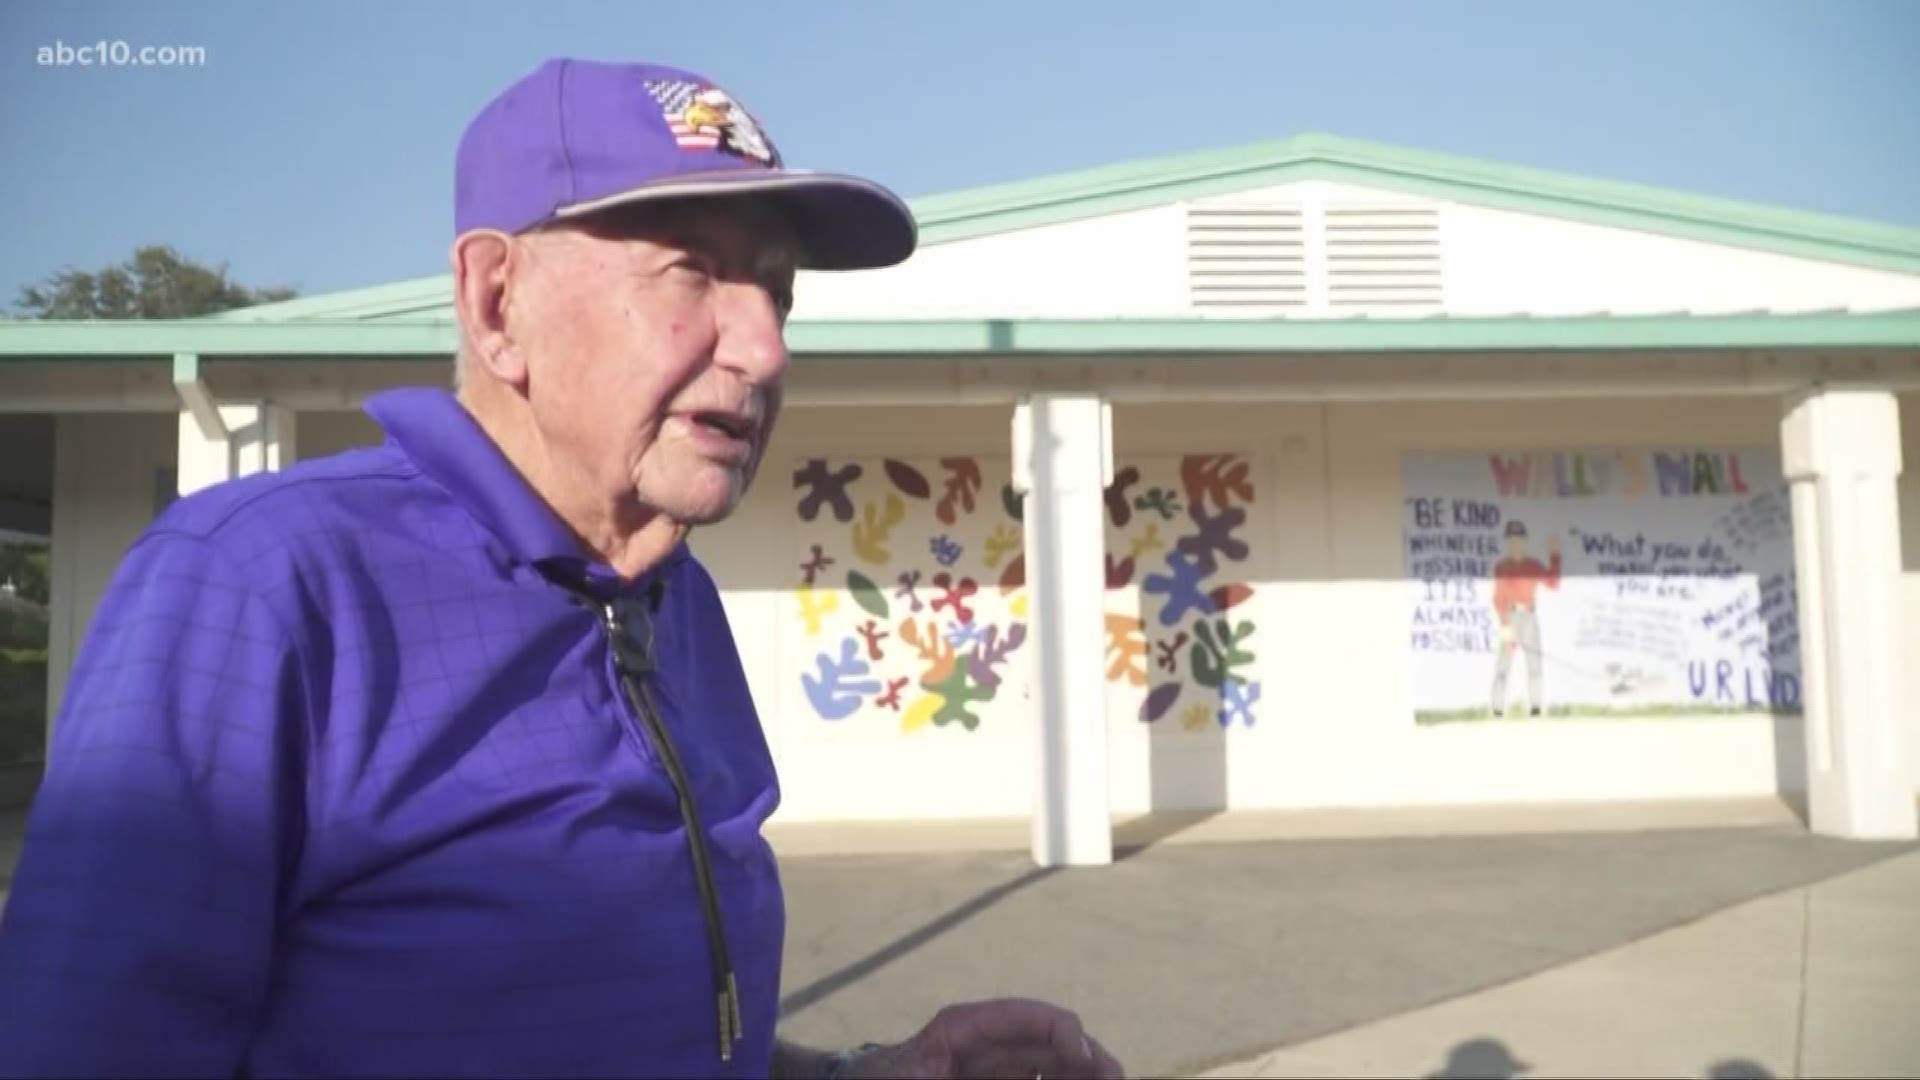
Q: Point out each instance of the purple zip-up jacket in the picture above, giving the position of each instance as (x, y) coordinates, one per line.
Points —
(342, 785)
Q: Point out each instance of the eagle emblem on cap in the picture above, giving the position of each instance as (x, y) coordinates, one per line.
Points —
(705, 117)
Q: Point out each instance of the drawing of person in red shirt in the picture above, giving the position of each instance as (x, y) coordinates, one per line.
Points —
(1517, 580)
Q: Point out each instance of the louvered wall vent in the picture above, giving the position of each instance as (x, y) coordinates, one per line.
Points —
(1246, 260)
(1382, 257)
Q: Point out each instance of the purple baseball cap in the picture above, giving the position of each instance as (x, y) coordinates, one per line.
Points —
(577, 136)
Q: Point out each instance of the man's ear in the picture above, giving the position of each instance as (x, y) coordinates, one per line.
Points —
(484, 262)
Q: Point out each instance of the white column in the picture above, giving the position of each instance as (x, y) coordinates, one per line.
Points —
(1841, 452)
(258, 438)
(1062, 460)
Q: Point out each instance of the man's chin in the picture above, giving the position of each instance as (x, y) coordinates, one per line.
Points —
(702, 516)
(706, 505)
(698, 492)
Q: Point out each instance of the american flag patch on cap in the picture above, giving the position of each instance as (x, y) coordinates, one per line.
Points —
(703, 117)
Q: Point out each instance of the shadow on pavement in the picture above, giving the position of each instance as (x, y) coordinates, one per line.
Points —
(1738, 1069)
(905, 944)
(1130, 838)
(1485, 1058)
(1481, 1059)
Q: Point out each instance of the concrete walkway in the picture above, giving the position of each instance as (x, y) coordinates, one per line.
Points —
(1699, 940)
(1203, 951)
(1820, 981)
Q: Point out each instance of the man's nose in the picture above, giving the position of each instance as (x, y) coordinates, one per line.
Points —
(753, 339)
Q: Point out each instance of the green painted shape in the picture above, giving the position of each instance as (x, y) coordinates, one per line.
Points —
(958, 693)
(867, 594)
(1216, 651)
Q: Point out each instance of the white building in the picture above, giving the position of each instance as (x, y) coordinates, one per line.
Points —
(1329, 375)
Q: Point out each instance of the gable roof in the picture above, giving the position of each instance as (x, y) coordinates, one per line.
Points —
(1445, 177)
(1136, 185)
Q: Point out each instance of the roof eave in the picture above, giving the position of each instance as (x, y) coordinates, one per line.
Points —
(350, 340)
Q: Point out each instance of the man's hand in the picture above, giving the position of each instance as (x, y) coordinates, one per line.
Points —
(1506, 634)
(1553, 547)
(1006, 1037)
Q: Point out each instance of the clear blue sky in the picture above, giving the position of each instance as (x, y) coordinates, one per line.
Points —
(315, 148)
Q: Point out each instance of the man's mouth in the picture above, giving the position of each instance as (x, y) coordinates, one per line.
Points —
(732, 425)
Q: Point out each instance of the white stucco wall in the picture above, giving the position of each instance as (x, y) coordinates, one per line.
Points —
(1131, 264)
(1336, 725)
(1497, 262)
(1910, 563)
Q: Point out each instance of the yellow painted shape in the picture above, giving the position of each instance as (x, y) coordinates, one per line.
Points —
(920, 713)
(1003, 541)
(816, 605)
(871, 532)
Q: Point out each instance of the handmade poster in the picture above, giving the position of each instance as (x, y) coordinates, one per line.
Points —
(1600, 582)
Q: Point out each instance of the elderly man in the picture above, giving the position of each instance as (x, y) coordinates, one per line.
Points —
(437, 758)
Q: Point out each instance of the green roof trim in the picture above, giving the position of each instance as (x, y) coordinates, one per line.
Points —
(157, 339)
(987, 338)
(1152, 182)
(418, 298)
(1132, 337)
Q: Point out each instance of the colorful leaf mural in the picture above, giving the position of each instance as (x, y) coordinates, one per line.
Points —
(935, 614)
(1178, 545)
(932, 614)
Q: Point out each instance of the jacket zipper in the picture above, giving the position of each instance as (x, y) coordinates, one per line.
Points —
(632, 665)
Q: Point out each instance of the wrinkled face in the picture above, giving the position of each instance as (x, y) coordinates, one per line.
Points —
(654, 348)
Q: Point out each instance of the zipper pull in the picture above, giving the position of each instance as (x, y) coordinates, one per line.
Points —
(731, 1029)
(733, 997)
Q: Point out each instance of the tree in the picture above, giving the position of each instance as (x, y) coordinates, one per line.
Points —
(24, 566)
(23, 652)
(156, 283)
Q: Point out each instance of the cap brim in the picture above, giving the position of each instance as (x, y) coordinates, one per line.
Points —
(843, 222)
